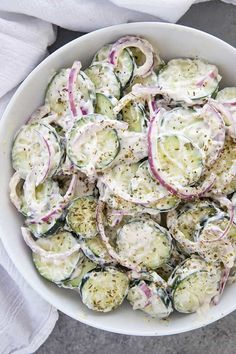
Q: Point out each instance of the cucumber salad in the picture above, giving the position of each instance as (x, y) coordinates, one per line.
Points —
(126, 179)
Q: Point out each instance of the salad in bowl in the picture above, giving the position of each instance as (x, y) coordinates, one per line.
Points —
(125, 177)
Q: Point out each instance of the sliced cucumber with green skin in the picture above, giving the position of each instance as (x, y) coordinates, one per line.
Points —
(143, 185)
(149, 80)
(43, 198)
(188, 80)
(81, 217)
(57, 92)
(125, 66)
(57, 270)
(118, 194)
(104, 290)
(145, 243)
(98, 148)
(150, 298)
(224, 169)
(84, 266)
(138, 55)
(104, 79)
(105, 104)
(44, 228)
(29, 149)
(119, 177)
(179, 159)
(227, 98)
(222, 251)
(193, 125)
(227, 95)
(134, 114)
(95, 250)
(176, 258)
(193, 284)
(191, 215)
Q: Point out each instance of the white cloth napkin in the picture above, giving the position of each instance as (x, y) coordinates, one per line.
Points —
(26, 30)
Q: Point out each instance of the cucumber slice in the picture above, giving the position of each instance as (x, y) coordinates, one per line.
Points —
(108, 145)
(176, 258)
(227, 95)
(44, 228)
(224, 170)
(192, 124)
(105, 104)
(83, 267)
(179, 159)
(134, 114)
(149, 80)
(125, 67)
(104, 79)
(117, 181)
(57, 93)
(104, 290)
(222, 251)
(143, 185)
(102, 54)
(150, 298)
(95, 250)
(28, 149)
(194, 283)
(43, 198)
(188, 80)
(191, 215)
(81, 217)
(53, 269)
(119, 177)
(145, 243)
(138, 55)
(98, 149)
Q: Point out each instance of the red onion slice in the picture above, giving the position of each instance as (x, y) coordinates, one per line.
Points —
(40, 251)
(212, 75)
(74, 71)
(132, 41)
(146, 290)
(187, 193)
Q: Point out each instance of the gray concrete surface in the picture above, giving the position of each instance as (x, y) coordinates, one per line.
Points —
(71, 337)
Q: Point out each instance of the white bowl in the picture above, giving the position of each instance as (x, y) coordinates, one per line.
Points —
(172, 41)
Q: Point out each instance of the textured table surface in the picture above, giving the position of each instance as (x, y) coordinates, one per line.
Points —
(69, 336)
